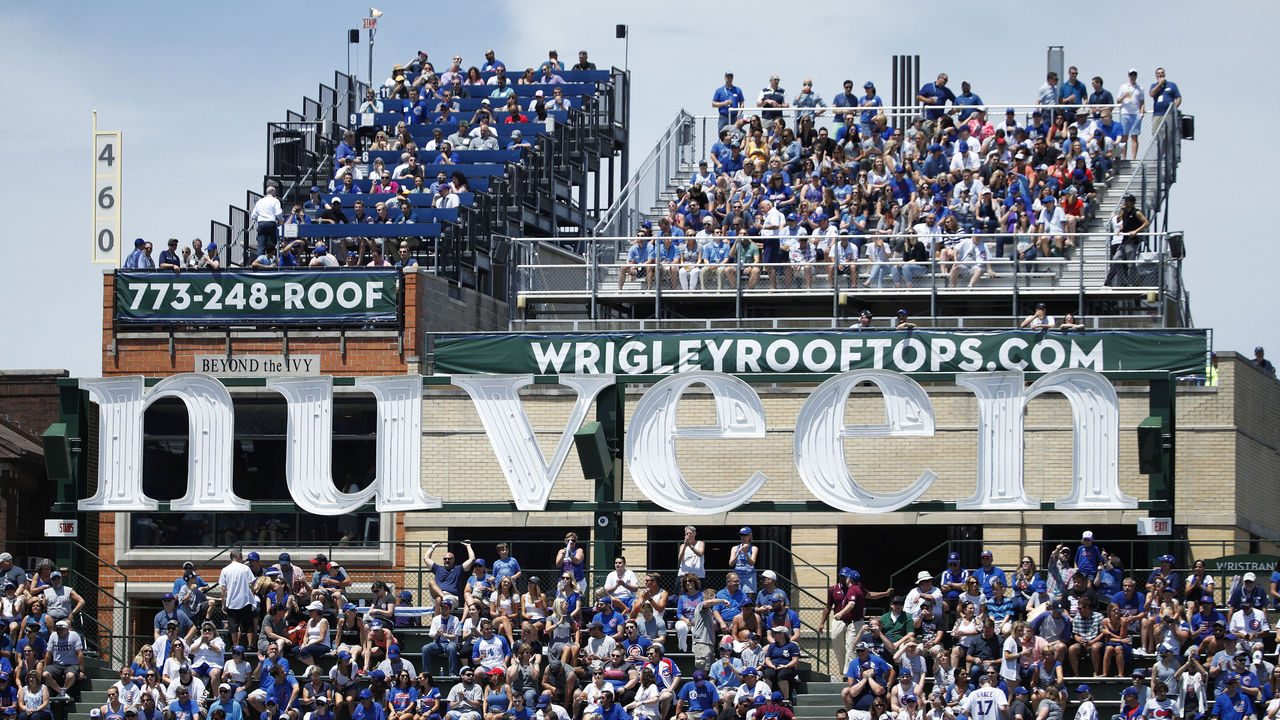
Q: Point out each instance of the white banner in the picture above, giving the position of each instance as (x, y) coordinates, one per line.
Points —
(106, 197)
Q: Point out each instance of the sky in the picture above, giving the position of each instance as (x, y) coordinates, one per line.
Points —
(192, 88)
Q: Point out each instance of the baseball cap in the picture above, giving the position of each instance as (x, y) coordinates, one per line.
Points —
(479, 562)
(184, 668)
(344, 655)
(375, 624)
(61, 625)
(744, 530)
(868, 84)
(167, 596)
(861, 646)
(406, 595)
(759, 700)
(1086, 535)
(1232, 677)
(750, 670)
(987, 553)
(1137, 672)
(844, 571)
(93, 713)
(542, 701)
(776, 695)
(1130, 691)
(1079, 689)
(55, 574)
(770, 574)
(699, 675)
(1250, 577)
(901, 312)
(253, 556)
(1133, 71)
(953, 557)
(365, 694)
(908, 698)
(393, 651)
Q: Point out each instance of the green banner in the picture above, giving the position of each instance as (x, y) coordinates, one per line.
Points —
(908, 351)
(1255, 563)
(332, 295)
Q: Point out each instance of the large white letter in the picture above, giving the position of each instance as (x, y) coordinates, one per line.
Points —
(820, 434)
(1000, 442)
(120, 408)
(1095, 418)
(399, 453)
(122, 403)
(210, 441)
(308, 457)
(497, 401)
(651, 440)
(1095, 441)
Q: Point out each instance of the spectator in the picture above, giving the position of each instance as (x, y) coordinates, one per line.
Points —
(1261, 362)
(935, 95)
(1042, 320)
(1163, 95)
(1049, 96)
(1100, 97)
(140, 258)
(1073, 91)
(1132, 106)
(1128, 224)
(169, 259)
(267, 260)
(64, 659)
(728, 100)
(967, 99)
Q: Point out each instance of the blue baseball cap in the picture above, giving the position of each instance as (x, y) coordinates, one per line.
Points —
(868, 84)
(749, 670)
(1009, 110)
(790, 216)
(709, 714)
(953, 557)
(964, 146)
(393, 651)
(744, 530)
(846, 572)
(908, 698)
(344, 655)
(375, 624)
(1023, 691)
(1079, 689)
(479, 562)
(776, 695)
(759, 700)
(254, 556)
(1166, 559)
(935, 147)
(899, 168)
(365, 694)
(406, 595)
(284, 557)
(1130, 691)
(167, 596)
(820, 217)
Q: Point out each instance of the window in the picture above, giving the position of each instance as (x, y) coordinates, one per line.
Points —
(258, 474)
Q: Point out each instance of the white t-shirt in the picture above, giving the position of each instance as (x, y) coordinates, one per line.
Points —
(1087, 711)
(1009, 668)
(620, 583)
(211, 653)
(1154, 709)
(985, 703)
(1130, 98)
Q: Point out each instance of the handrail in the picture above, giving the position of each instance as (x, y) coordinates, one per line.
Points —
(630, 188)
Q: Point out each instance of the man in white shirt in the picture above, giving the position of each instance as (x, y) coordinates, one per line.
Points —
(621, 583)
(1052, 222)
(447, 198)
(964, 158)
(266, 215)
(1132, 105)
(1249, 624)
(771, 223)
(241, 604)
(445, 631)
(971, 260)
(985, 703)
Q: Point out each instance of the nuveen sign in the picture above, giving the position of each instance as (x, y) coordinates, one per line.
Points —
(651, 436)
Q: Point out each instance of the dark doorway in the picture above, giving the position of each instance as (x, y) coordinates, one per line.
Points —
(773, 541)
(883, 562)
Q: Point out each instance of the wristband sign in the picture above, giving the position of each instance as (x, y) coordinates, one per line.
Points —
(361, 295)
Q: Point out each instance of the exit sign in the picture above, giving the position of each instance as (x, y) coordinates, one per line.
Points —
(1155, 526)
(56, 527)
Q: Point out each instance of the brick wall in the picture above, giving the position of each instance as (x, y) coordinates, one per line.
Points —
(29, 398)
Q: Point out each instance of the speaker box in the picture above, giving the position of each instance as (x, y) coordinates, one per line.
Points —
(621, 31)
(353, 36)
(1188, 127)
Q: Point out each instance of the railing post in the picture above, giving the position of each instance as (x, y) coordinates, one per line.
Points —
(1017, 266)
(595, 275)
(933, 289)
(737, 284)
(1080, 298)
(657, 278)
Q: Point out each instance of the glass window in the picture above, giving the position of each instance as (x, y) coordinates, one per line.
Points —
(258, 474)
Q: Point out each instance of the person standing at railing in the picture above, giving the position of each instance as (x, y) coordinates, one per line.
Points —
(266, 217)
(728, 99)
(935, 96)
(1132, 106)
(1164, 94)
(1129, 222)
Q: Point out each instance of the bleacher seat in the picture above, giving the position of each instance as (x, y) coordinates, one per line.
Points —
(391, 158)
(411, 230)
(422, 200)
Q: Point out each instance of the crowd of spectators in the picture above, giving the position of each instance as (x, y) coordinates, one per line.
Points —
(963, 642)
(275, 640)
(419, 95)
(779, 194)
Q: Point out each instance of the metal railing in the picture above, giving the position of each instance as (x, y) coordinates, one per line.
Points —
(641, 191)
(105, 619)
(1085, 271)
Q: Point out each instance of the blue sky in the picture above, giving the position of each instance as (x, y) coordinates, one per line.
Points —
(193, 86)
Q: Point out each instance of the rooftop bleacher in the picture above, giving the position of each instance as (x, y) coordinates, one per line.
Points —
(1071, 264)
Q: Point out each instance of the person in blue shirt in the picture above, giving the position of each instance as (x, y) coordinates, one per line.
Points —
(1165, 572)
(901, 187)
(1100, 95)
(140, 258)
(1164, 94)
(697, 695)
(1073, 91)
(608, 616)
(367, 709)
(987, 572)
(1088, 556)
(967, 99)
(1232, 704)
(346, 148)
(726, 673)
(780, 661)
(505, 565)
(728, 99)
(640, 257)
(184, 707)
(935, 96)
(734, 597)
(226, 702)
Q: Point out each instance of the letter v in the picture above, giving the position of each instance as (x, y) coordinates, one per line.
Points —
(497, 401)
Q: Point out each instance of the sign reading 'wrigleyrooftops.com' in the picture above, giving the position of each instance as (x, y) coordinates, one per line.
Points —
(911, 351)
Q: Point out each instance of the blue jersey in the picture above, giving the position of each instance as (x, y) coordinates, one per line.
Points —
(697, 696)
(733, 94)
(505, 568)
(1088, 558)
(942, 95)
(1227, 707)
